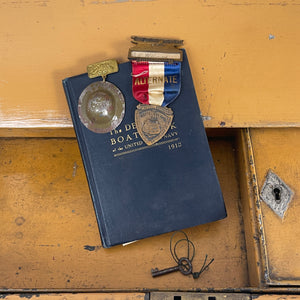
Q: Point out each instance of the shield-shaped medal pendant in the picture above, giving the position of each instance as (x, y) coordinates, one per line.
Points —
(152, 122)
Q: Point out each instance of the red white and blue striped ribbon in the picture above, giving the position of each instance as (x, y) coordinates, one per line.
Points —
(156, 83)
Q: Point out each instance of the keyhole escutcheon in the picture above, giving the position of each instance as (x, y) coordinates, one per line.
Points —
(276, 192)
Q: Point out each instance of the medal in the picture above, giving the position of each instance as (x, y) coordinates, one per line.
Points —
(156, 82)
(101, 105)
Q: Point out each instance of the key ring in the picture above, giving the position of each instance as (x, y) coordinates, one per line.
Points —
(189, 243)
(185, 267)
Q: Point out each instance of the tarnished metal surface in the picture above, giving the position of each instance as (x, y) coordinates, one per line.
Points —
(101, 107)
(276, 194)
(152, 122)
(184, 266)
(102, 68)
(155, 49)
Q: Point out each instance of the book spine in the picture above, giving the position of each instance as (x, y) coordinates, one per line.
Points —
(87, 166)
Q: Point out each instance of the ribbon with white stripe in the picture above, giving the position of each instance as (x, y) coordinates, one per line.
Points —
(156, 83)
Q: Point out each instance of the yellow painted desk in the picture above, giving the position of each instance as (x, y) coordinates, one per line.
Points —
(243, 57)
(244, 54)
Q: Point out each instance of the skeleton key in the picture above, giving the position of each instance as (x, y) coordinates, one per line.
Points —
(184, 266)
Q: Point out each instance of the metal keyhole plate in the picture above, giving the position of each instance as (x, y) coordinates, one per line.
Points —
(276, 194)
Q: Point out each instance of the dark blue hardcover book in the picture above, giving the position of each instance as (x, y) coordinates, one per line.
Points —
(139, 191)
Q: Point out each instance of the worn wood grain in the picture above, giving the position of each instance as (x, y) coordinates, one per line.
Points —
(50, 240)
(243, 61)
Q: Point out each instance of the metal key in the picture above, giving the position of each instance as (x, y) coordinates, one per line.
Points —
(184, 266)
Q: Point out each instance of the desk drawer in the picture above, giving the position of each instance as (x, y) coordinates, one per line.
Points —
(50, 239)
(50, 236)
(278, 150)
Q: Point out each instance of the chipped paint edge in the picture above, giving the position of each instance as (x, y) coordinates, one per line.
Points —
(255, 264)
(19, 119)
(44, 119)
(258, 210)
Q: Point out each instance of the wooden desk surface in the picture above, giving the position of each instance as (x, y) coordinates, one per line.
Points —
(50, 238)
(244, 59)
(244, 55)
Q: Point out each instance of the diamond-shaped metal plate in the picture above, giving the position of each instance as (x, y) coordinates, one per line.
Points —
(276, 194)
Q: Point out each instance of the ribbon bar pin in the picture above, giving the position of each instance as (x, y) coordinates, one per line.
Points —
(155, 49)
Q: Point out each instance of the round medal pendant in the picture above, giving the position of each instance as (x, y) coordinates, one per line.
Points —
(101, 107)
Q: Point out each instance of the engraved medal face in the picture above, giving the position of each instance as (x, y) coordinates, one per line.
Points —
(101, 107)
(152, 122)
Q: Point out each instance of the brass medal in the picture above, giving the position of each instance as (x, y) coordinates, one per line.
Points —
(101, 105)
(152, 122)
(156, 83)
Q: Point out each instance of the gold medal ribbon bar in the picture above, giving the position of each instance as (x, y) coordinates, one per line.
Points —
(154, 49)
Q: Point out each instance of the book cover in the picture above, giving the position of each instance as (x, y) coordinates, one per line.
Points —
(139, 191)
